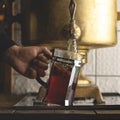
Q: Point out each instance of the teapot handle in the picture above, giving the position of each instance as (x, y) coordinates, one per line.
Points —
(44, 84)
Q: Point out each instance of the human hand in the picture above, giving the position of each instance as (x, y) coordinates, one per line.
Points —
(28, 61)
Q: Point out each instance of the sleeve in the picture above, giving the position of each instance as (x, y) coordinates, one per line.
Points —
(5, 41)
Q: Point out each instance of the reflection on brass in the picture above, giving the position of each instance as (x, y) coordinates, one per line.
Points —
(85, 87)
(96, 18)
(118, 16)
(91, 91)
(72, 30)
(83, 80)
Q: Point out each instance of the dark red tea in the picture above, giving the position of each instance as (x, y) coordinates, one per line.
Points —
(58, 84)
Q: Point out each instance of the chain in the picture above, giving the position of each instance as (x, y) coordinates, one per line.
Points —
(72, 43)
(72, 31)
(72, 9)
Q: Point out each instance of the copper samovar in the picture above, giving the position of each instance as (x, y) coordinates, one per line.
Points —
(96, 20)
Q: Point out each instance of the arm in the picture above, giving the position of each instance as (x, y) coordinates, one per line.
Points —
(5, 41)
(28, 61)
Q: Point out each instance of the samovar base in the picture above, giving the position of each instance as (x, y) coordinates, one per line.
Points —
(89, 91)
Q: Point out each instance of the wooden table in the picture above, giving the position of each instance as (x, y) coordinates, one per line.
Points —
(58, 112)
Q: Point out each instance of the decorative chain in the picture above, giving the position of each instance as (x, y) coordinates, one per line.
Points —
(72, 9)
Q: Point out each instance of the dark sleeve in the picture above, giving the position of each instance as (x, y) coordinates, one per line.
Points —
(5, 41)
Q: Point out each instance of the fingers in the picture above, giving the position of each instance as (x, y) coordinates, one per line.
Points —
(41, 73)
(30, 73)
(40, 63)
(43, 58)
(45, 50)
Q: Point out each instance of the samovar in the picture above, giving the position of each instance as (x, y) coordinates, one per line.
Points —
(48, 26)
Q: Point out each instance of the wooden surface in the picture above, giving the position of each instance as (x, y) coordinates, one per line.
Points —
(6, 78)
(7, 100)
(7, 111)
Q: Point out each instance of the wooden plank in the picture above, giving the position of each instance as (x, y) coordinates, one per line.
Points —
(55, 115)
(82, 112)
(9, 100)
(110, 112)
(8, 79)
(1, 77)
(6, 111)
(34, 112)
